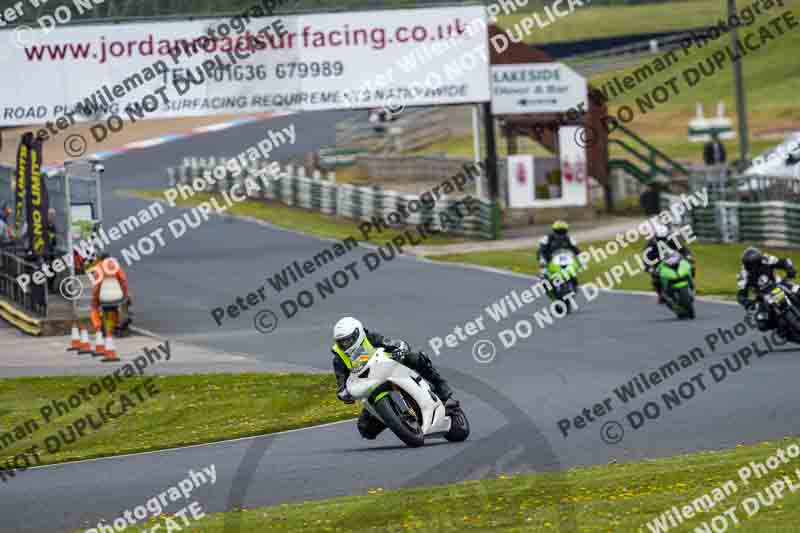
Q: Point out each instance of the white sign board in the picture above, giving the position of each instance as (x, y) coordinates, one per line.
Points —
(521, 181)
(574, 183)
(574, 178)
(297, 63)
(536, 88)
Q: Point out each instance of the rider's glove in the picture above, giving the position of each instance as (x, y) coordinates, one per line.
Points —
(344, 396)
(791, 273)
(399, 354)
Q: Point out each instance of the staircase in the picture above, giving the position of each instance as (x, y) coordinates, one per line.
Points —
(653, 162)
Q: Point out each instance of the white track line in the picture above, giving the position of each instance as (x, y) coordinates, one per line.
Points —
(709, 299)
(151, 452)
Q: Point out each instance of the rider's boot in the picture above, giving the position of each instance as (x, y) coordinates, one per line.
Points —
(657, 287)
(432, 376)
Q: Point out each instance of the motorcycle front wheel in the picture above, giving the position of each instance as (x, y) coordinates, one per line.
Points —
(686, 302)
(405, 425)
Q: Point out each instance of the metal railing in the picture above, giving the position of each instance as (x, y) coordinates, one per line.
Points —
(35, 298)
(723, 186)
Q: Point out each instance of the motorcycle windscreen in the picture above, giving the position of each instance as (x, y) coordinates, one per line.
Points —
(360, 356)
(563, 260)
(685, 269)
(667, 274)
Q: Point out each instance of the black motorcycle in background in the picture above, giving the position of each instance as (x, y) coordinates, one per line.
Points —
(782, 304)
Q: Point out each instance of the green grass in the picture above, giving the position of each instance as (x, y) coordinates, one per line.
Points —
(462, 146)
(675, 145)
(717, 264)
(299, 219)
(590, 22)
(771, 94)
(771, 89)
(598, 499)
(185, 410)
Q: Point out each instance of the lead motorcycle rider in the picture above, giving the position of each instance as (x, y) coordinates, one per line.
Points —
(348, 336)
(558, 239)
(755, 264)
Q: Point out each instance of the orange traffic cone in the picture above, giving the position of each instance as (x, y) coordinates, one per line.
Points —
(85, 347)
(75, 342)
(110, 352)
(99, 344)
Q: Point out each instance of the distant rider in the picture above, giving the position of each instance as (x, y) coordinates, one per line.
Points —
(558, 239)
(350, 337)
(755, 264)
(653, 256)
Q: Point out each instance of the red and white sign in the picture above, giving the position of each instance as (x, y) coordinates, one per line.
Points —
(574, 179)
(521, 181)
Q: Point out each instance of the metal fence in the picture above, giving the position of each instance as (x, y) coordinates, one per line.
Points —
(34, 299)
(128, 10)
(761, 210)
(294, 188)
(739, 188)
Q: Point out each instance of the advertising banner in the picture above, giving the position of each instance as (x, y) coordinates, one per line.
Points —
(267, 64)
(37, 201)
(22, 188)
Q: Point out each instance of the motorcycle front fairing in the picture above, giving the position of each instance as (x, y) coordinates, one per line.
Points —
(377, 369)
(675, 272)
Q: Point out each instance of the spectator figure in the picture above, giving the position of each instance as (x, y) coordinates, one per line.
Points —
(649, 200)
(714, 151)
(378, 118)
(52, 241)
(6, 232)
(52, 231)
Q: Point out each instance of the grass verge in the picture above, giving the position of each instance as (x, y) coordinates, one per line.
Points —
(587, 21)
(770, 94)
(597, 499)
(298, 219)
(717, 264)
(185, 410)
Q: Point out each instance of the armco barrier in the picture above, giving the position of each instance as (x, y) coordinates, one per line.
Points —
(346, 200)
(766, 223)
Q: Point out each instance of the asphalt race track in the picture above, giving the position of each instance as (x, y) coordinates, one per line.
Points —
(514, 402)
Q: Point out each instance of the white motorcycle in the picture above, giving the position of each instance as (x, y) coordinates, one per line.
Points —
(403, 400)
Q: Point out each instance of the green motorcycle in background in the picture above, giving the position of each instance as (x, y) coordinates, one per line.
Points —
(677, 285)
(562, 273)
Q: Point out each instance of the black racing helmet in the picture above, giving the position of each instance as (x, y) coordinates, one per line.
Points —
(751, 258)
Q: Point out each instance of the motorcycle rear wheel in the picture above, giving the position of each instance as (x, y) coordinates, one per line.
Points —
(792, 326)
(459, 430)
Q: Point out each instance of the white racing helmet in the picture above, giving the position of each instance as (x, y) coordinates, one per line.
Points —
(349, 334)
(661, 231)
